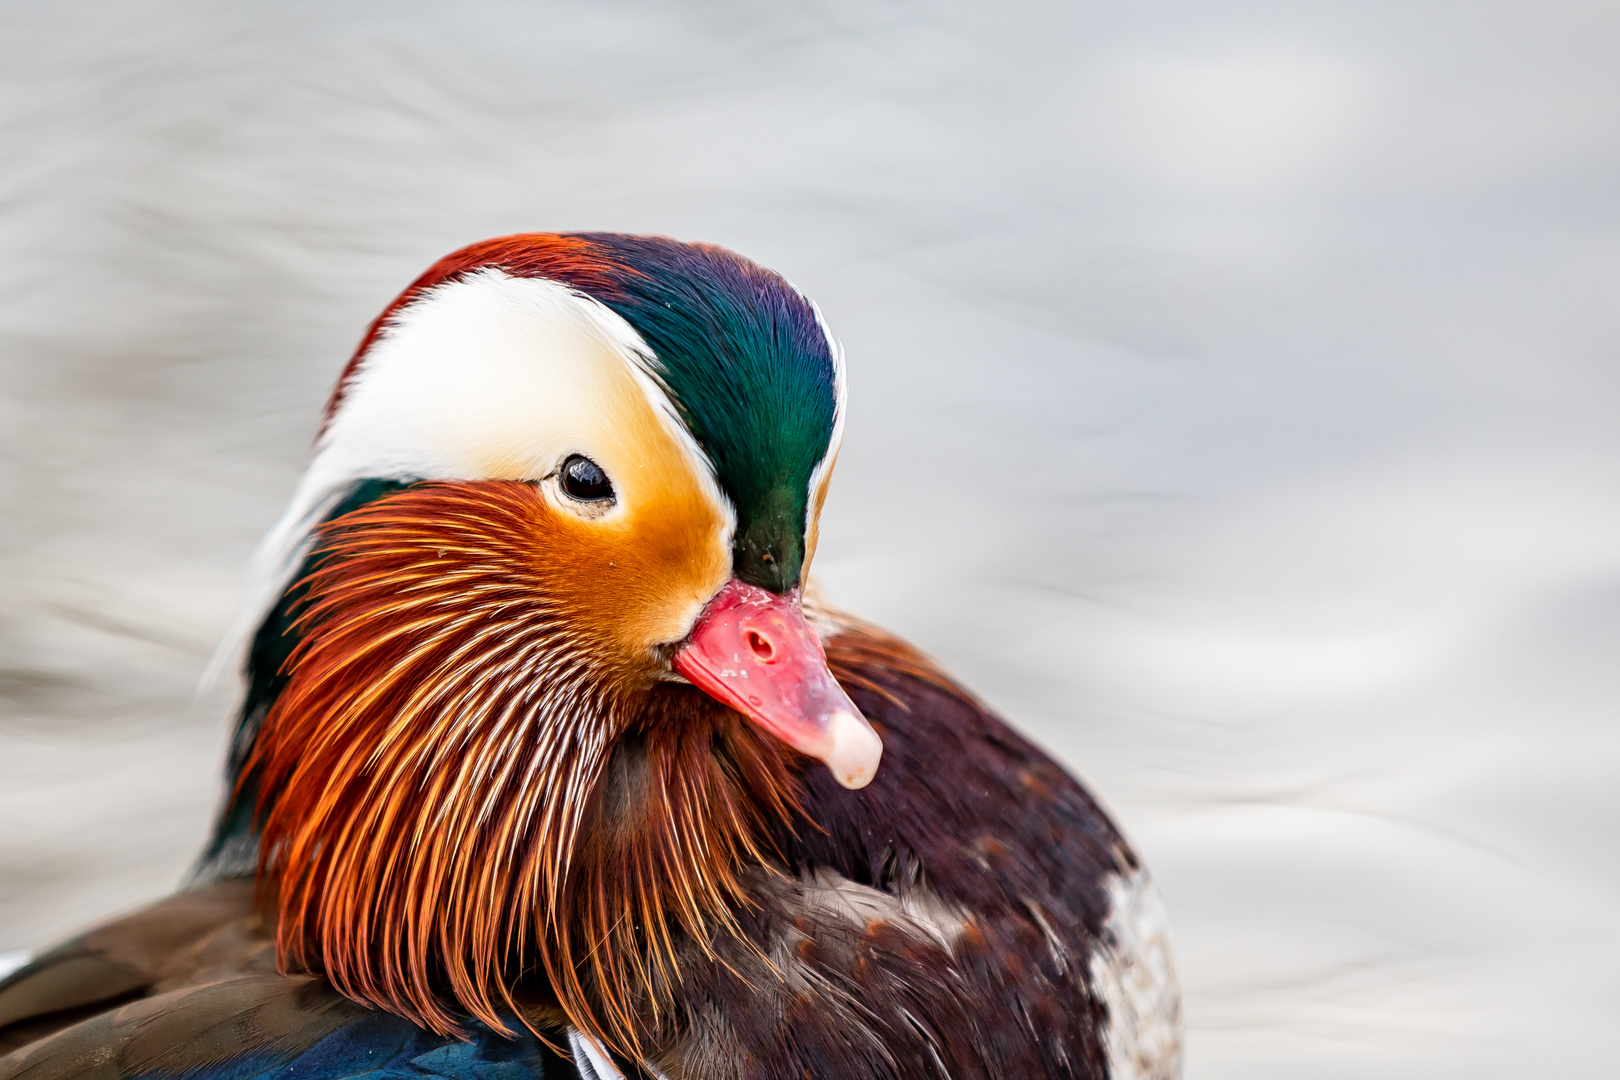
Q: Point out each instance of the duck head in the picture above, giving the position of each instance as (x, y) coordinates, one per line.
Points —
(535, 671)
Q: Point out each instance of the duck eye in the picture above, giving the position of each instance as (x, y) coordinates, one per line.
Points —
(583, 479)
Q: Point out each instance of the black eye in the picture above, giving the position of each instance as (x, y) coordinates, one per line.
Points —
(584, 480)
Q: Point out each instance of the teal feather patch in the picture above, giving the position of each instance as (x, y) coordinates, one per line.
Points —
(751, 370)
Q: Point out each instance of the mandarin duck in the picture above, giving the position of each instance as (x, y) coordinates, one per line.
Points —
(551, 763)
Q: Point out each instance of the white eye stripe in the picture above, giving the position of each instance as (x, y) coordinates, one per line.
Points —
(490, 376)
(821, 475)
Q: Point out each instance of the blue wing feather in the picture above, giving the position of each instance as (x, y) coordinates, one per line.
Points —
(260, 1027)
(379, 1046)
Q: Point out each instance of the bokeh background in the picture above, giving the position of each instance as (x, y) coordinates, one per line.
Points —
(1234, 404)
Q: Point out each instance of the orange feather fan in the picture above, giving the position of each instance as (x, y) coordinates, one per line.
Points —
(463, 786)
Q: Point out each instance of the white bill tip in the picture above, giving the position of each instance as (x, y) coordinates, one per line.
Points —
(854, 749)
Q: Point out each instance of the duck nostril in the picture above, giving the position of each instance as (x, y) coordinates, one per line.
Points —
(761, 645)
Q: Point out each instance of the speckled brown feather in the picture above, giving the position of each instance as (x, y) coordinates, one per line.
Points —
(965, 818)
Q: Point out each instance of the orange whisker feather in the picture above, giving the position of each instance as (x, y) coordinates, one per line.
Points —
(435, 782)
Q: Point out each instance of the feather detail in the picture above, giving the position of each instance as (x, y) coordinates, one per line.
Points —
(938, 922)
(466, 782)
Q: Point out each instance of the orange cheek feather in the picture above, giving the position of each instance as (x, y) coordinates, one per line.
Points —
(639, 575)
(418, 806)
(637, 580)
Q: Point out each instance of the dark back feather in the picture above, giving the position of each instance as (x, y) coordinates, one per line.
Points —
(938, 923)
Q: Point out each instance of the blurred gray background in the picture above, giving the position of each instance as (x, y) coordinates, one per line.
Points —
(1234, 404)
